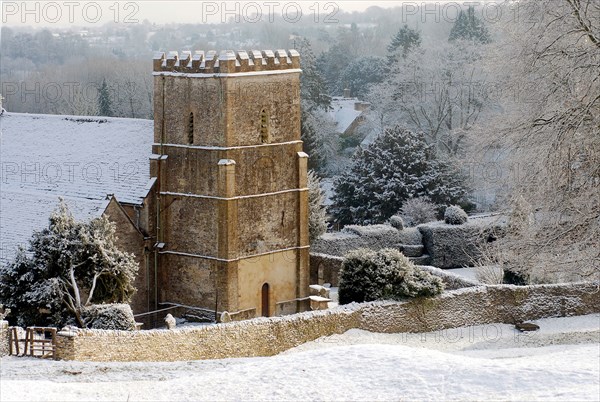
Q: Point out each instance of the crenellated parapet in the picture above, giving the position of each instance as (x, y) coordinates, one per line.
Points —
(227, 61)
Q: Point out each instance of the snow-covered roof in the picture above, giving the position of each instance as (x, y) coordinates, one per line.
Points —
(343, 112)
(369, 139)
(81, 159)
(22, 213)
(74, 156)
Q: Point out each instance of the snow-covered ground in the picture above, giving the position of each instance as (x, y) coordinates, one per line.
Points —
(561, 361)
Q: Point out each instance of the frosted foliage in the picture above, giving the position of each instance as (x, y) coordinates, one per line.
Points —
(550, 130)
(397, 166)
(316, 210)
(368, 275)
(437, 90)
(67, 267)
(455, 215)
(4, 312)
(109, 316)
(418, 210)
(397, 222)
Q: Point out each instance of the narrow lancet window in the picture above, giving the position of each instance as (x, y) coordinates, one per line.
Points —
(191, 129)
(264, 127)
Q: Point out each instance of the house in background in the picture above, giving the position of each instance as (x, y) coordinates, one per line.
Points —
(348, 113)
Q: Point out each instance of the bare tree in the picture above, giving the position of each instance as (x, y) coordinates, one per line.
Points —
(438, 91)
(549, 57)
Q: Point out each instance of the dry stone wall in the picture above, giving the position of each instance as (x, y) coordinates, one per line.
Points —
(482, 305)
(258, 337)
(269, 336)
(4, 338)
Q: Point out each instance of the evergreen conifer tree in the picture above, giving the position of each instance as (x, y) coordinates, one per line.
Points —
(469, 27)
(397, 166)
(317, 224)
(406, 40)
(104, 102)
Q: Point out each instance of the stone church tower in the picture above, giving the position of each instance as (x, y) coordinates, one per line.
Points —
(231, 182)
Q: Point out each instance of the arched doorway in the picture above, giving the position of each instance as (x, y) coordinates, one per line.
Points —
(265, 300)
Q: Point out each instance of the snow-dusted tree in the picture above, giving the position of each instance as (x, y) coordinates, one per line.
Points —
(313, 89)
(68, 266)
(317, 224)
(361, 74)
(469, 27)
(104, 102)
(313, 143)
(440, 91)
(549, 59)
(316, 128)
(405, 40)
(397, 166)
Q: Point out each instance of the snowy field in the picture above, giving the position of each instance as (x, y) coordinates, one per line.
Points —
(561, 361)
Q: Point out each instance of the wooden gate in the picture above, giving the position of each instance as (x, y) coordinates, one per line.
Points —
(38, 342)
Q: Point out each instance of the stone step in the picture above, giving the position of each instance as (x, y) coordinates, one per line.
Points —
(425, 259)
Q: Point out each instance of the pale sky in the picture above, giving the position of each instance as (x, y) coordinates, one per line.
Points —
(63, 14)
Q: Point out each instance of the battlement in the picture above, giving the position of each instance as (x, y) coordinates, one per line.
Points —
(226, 62)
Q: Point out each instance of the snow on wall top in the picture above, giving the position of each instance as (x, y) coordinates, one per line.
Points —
(343, 112)
(227, 61)
(81, 159)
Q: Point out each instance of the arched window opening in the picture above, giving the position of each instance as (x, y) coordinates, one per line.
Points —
(265, 300)
(191, 129)
(264, 127)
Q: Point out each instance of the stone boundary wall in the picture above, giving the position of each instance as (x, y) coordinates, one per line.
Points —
(480, 305)
(270, 336)
(4, 338)
(257, 337)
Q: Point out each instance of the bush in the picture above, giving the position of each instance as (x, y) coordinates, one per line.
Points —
(416, 211)
(368, 275)
(397, 222)
(455, 215)
(109, 316)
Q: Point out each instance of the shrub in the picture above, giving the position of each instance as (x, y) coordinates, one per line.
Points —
(109, 316)
(455, 215)
(397, 222)
(419, 283)
(368, 275)
(416, 211)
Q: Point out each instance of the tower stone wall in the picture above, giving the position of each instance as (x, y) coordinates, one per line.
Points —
(231, 192)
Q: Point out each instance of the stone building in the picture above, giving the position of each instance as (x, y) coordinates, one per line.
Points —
(215, 205)
(231, 181)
